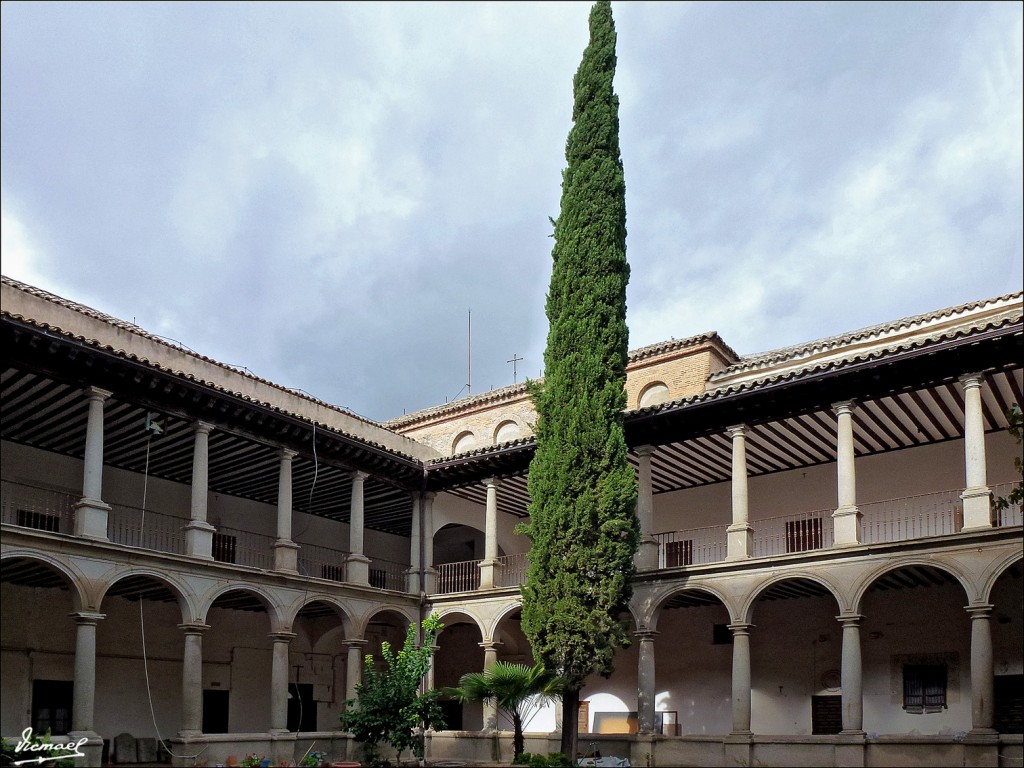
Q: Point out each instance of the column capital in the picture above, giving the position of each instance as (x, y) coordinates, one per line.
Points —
(645, 451)
(492, 482)
(354, 643)
(971, 380)
(740, 628)
(490, 645)
(979, 610)
(737, 430)
(96, 393)
(844, 406)
(281, 637)
(646, 634)
(87, 617)
(358, 476)
(287, 454)
(202, 427)
(194, 628)
(850, 619)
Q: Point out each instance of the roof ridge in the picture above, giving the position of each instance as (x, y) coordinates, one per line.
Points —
(775, 356)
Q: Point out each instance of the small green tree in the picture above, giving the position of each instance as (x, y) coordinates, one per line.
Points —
(516, 689)
(389, 708)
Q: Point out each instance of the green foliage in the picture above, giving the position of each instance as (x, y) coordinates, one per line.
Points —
(389, 708)
(553, 760)
(252, 760)
(313, 759)
(516, 689)
(1016, 495)
(583, 522)
(583, 491)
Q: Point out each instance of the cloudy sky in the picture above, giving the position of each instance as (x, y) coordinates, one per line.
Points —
(321, 192)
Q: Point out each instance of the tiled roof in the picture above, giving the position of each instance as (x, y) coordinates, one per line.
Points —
(777, 357)
(1010, 321)
(137, 331)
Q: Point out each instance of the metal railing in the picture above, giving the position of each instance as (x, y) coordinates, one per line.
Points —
(39, 508)
(801, 532)
(463, 576)
(911, 517)
(231, 545)
(1012, 514)
(694, 546)
(134, 527)
(322, 562)
(512, 570)
(385, 574)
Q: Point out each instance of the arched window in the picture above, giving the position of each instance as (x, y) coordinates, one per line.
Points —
(654, 393)
(466, 441)
(506, 432)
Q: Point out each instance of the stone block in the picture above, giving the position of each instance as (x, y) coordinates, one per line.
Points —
(125, 749)
(145, 749)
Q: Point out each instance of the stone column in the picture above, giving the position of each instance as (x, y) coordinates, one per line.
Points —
(490, 708)
(645, 680)
(982, 670)
(198, 532)
(421, 542)
(279, 682)
(647, 555)
(741, 678)
(84, 697)
(91, 511)
(192, 680)
(852, 676)
(353, 666)
(429, 572)
(741, 534)
(977, 497)
(413, 574)
(489, 565)
(286, 551)
(358, 564)
(428, 679)
(846, 519)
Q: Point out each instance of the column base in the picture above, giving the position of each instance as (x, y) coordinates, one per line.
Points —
(646, 557)
(490, 574)
(92, 749)
(91, 519)
(199, 539)
(286, 556)
(357, 569)
(977, 508)
(846, 525)
(740, 541)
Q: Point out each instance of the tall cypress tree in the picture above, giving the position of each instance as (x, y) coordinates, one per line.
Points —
(583, 522)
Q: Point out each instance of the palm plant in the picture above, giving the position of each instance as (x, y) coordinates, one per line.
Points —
(516, 689)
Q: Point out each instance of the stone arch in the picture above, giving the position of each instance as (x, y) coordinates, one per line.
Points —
(363, 623)
(291, 612)
(765, 588)
(182, 595)
(501, 615)
(457, 611)
(76, 583)
(654, 393)
(323, 613)
(506, 431)
(666, 596)
(273, 609)
(998, 571)
(874, 574)
(464, 442)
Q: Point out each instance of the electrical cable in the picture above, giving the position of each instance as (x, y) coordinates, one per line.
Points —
(142, 622)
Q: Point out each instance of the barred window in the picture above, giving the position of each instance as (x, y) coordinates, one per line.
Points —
(924, 687)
